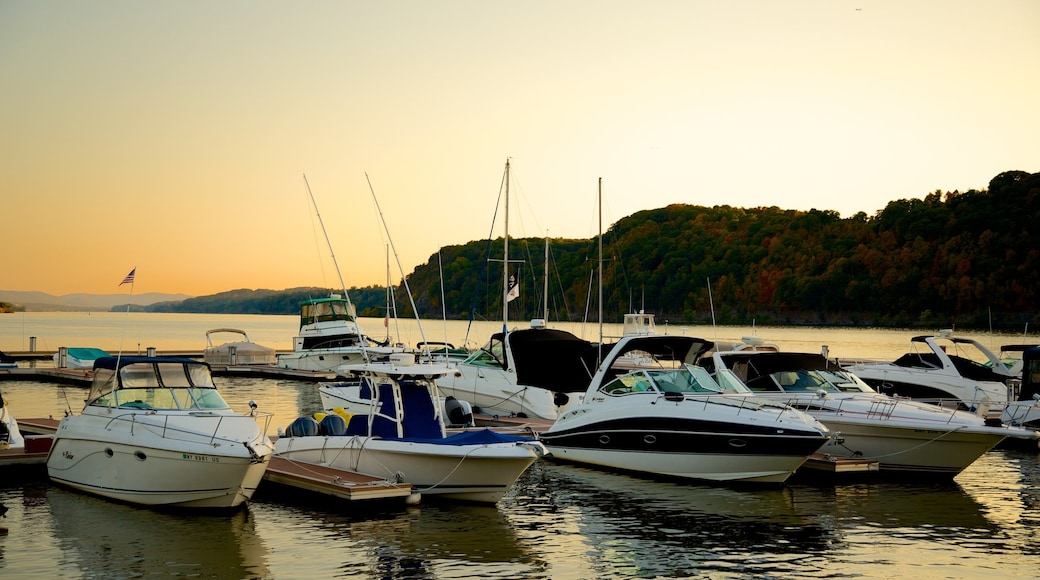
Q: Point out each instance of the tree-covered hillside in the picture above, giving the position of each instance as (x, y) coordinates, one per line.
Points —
(968, 259)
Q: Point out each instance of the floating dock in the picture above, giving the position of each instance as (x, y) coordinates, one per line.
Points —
(324, 480)
(822, 462)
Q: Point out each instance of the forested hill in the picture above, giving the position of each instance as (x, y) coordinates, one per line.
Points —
(968, 259)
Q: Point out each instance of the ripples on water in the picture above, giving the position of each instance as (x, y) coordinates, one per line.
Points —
(559, 521)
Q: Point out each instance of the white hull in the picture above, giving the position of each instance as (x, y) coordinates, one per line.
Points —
(476, 473)
(329, 360)
(910, 449)
(175, 460)
(319, 360)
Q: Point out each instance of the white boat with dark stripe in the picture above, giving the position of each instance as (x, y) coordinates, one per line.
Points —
(669, 418)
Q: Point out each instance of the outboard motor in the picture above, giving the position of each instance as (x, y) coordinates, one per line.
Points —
(458, 412)
(302, 427)
(332, 425)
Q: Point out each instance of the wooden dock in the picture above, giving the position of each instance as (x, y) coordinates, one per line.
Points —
(822, 462)
(324, 480)
(35, 452)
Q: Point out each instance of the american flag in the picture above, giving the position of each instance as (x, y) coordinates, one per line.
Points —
(129, 278)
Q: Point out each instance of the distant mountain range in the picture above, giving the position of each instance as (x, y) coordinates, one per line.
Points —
(43, 302)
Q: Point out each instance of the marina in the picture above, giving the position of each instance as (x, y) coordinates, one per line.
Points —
(557, 521)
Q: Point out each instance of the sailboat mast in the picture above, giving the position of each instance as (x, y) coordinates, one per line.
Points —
(599, 203)
(505, 261)
(545, 290)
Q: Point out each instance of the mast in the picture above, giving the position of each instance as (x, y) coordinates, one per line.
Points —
(545, 290)
(505, 261)
(351, 312)
(599, 204)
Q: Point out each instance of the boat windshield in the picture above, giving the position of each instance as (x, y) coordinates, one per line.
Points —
(685, 379)
(797, 381)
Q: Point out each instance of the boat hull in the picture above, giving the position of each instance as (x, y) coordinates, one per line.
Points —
(687, 448)
(175, 464)
(473, 473)
(944, 451)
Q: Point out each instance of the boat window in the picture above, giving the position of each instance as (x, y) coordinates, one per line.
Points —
(205, 399)
(798, 381)
(730, 382)
(173, 375)
(689, 379)
(339, 309)
(138, 376)
(148, 398)
(636, 382)
(845, 382)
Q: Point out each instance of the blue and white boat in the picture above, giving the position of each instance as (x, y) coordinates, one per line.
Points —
(402, 437)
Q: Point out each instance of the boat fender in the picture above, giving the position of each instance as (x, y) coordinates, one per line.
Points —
(302, 427)
(332, 425)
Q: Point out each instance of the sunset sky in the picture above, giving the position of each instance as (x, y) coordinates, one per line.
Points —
(174, 136)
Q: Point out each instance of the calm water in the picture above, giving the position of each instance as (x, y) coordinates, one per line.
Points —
(559, 521)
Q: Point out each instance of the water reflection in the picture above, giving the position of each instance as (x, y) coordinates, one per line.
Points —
(106, 539)
(437, 540)
(626, 525)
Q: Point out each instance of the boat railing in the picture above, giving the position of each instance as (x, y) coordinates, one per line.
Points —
(742, 401)
(160, 424)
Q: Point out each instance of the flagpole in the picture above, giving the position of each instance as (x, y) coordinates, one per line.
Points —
(128, 279)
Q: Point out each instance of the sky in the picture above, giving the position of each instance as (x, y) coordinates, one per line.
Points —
(185, 139)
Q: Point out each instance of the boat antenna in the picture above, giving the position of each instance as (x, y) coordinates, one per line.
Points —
(350, 307)
(397, 258)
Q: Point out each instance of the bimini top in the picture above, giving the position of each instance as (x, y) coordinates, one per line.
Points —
(113, 362)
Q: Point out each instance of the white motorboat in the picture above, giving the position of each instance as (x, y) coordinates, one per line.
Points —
(402, 437)
(329, 337)
(532, 372)
(77, 357)
(236, 352)
(903, 436)
(945, 370)
(671, 419)
(10, 435)
(156, 432)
